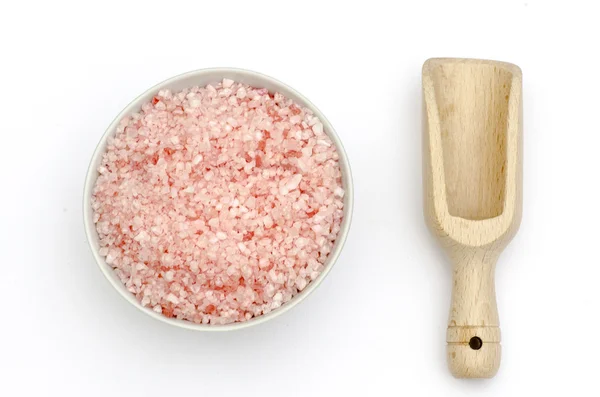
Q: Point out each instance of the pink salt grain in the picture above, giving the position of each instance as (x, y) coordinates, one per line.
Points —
(218, 204)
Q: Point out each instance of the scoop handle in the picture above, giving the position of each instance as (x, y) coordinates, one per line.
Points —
(473, 334)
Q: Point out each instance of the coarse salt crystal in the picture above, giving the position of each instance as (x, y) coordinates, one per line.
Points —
(172, 298)
(294, 182)
(318, 129)
(263, 262)
(197, 159)
(142, 236)
(269, 290)
(268, 221)
(317, 228)
(301, 283)
(221, 235)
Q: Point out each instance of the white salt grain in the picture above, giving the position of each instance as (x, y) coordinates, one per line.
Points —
(227, 83)
(197, 159)
(172, 298)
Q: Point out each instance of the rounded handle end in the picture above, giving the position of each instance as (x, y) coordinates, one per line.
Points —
(473, 352)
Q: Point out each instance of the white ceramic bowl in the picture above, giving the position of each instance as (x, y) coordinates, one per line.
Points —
(201, 78)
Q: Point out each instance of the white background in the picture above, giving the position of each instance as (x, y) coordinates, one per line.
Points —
(377, 324)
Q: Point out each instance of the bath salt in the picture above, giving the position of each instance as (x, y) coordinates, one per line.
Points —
(218, 204)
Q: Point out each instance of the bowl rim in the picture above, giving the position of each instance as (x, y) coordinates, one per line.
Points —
(219, 73)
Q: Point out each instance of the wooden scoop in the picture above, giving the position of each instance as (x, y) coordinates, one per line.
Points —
(472, 176)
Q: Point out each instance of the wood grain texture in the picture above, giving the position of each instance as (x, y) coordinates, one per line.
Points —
(472, 155)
